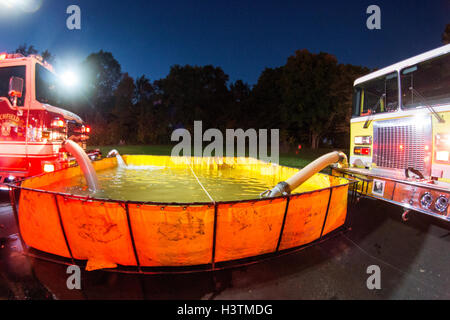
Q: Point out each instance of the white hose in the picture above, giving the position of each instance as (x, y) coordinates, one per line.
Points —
(119, 158)
(85, 164)
(112, 153)
(304, 174)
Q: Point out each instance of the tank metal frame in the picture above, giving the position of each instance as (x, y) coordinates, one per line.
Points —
(213, 266)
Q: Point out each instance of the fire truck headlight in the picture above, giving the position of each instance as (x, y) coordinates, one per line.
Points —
(10, 179)
(442, 156)
(49, 167)
(366, 140)
(443, 140)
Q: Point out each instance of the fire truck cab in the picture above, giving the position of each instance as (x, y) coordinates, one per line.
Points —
(32, 126)
(400, 134)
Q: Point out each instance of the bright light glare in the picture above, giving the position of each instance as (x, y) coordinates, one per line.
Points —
(70, 79)
(8, 3)
(24, 5)
(420, 119)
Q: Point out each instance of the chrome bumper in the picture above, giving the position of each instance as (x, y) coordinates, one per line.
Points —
(424, 196)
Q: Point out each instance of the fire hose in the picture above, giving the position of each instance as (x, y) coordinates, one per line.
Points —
(286, 187)
(84, 162)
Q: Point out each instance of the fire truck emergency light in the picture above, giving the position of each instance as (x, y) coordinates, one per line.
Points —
(58, 123)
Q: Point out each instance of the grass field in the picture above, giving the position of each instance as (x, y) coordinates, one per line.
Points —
(299, 160)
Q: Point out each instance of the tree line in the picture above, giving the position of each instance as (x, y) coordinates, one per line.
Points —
(309, 99)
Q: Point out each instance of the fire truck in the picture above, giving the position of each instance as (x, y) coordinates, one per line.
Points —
(33, 126)
(400, 134)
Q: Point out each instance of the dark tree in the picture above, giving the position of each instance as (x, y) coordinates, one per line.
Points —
(151, 117)
(446, 35)
(342, 93)
(47, 56)
(123, 122)
(195, 93)
(102, 73)
(238, 113)
(307, 85)
(144, 89)
(267, 99)
(240, 91)
(26, 50)
(308, 99)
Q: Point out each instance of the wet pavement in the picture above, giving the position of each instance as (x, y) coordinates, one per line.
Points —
(413, 256)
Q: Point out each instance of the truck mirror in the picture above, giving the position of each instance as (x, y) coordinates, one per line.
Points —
(15, 87)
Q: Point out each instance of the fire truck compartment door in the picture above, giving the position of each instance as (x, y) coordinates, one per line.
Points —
(13, 155)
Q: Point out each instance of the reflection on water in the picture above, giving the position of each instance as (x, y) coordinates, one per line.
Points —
(164, 184)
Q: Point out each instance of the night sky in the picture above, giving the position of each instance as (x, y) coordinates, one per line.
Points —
(242, 37)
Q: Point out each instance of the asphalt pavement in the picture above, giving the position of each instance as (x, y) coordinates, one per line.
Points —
(413, 259)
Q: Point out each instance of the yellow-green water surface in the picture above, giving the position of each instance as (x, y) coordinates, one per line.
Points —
(165, 184)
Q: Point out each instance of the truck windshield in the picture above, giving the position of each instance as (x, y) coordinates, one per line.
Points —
(376, 96)
(47, 87)
(5, 74)
(427, 83)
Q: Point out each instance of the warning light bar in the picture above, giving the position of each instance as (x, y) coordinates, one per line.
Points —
(4, 55)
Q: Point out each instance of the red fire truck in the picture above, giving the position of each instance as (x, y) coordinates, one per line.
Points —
(33, 127)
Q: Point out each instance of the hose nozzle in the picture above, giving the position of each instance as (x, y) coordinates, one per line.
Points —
(112, 153)
(282, 188)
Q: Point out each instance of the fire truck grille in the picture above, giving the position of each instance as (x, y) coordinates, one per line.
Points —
(403, 143)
